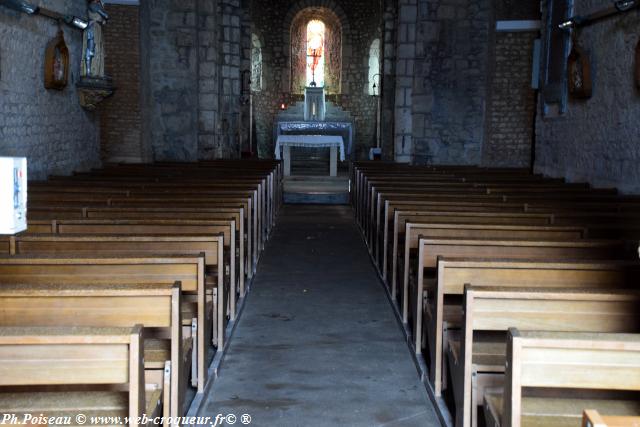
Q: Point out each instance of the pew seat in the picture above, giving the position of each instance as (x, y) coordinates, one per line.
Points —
(66, 371)
(552, 377)
(556, 412)
(70, 403)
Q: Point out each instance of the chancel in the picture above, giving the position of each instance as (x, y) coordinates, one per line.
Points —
(320, 212)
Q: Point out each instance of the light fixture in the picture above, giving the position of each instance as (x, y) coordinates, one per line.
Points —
(20, 6)
(29, 9)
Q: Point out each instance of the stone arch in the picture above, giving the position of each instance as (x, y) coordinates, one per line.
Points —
(338, 27)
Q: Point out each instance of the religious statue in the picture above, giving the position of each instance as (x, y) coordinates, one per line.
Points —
(94, 86)
(92, 42)
(56, 63)
(579, 70)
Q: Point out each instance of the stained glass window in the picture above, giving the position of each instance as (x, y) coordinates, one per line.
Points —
(315, 53)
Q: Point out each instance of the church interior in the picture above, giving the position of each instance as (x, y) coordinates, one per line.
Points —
(388, 213)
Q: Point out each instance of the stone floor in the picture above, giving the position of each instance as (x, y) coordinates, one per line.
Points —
(317, 343)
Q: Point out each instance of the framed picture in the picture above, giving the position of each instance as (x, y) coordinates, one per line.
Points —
(579, 73)
(56, 63)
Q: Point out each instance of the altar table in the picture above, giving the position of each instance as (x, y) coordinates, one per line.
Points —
(333, 142)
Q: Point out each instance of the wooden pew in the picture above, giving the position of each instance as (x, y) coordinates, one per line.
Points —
(83, 209)
(385, 225)
(234, 268)
(150, 245)
(397, 213)
(132, 271)
(443, 307)
(156, 307)
(35, 358)
(477, 355)
(245, 239)
(592, 418)
(429, 250)
(572, 364)
(471, 229)
(497, 226)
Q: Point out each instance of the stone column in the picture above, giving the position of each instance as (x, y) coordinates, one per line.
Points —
(405, 60)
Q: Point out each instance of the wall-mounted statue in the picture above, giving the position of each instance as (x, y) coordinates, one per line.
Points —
(92, 42)
(94, 86)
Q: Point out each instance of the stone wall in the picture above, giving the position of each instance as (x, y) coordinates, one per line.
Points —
(450, 77)
(120, 118)
(511, 102)
(597, 140)
(405, 70)
(361, 23)
(47, 126)
(191, 78)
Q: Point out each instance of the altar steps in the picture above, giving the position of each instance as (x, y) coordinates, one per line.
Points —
(317, 189)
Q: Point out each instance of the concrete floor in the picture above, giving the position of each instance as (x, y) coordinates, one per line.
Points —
(317, 343)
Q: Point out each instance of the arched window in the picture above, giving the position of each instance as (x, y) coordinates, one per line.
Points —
(374, 68)
(315, 53)
(319, 29)
(256, 63)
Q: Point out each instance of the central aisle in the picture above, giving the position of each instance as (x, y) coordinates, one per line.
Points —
(317, 343)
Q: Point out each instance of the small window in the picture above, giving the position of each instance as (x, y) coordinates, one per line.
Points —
(256, 63)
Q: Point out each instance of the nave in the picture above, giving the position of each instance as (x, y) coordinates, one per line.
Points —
(317, 343)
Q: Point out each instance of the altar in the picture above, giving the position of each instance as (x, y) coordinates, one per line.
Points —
(332, 142)
(313, 125)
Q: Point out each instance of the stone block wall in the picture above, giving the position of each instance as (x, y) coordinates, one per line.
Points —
(120, 118)
(450, 77)
(511, 102)
(172, 77)
(405, 64)
(597, 140)
(191, 78)
(231, 54)
(47, 126)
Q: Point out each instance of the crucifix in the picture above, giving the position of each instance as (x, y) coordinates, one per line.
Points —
(316, 54)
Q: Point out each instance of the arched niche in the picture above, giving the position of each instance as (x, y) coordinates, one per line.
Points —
(336, 43)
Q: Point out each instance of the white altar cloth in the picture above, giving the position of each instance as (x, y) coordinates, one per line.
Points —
(310, 141)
